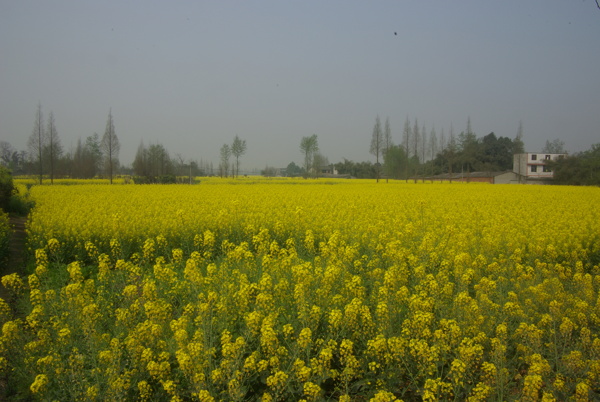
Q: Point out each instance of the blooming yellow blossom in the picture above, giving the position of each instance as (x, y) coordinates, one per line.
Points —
(283, 289)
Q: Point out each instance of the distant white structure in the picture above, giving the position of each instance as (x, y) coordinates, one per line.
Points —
(530, 166)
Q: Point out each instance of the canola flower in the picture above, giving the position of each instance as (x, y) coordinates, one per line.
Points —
(304, 290)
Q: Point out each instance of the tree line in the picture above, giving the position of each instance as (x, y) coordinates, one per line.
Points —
(236, 149)
(422, 154)
(580, 169)
(418, 155)
(93, 156)
(154, 164)
(46, 156)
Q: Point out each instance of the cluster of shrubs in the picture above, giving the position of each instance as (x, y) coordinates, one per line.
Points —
(163, 179)
(13, 200)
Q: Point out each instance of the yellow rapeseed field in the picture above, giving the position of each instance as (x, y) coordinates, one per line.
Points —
(307, 290)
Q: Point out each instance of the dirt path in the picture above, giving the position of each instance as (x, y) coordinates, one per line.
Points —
(16, 258)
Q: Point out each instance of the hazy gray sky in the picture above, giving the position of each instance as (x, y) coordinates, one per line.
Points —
(193, 74)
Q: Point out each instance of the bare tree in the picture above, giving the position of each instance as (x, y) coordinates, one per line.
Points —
(415, 151)
(225, 155)
(377, 145)
(140, 162)
(159, 162)
(451, 150)
(319, 161)
(181, 168)
(238, 148)
(6, 153)
(423, 149)
(554, 147)
(416, 139)
(309, 147)
(269, 171)
(518, 145)
(469, 129)
(110, 146)
(154, 165)
(86, 158)
(37, 140)
(53, 146)
(387, 144)
(433, 148)
(93, 149)
(406, 137)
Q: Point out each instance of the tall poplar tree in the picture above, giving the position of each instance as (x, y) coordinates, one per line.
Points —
(37, 140)
(406, 136)
(53, 146)
(377, 145)
(238, 148)
(432, 148)
(110, 146)
(451, 150)
(387, 145)
(518, 145)
(309, 147)
(225, 154)
(416, 136)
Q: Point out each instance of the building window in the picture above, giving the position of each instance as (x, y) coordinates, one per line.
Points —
(534, 169)
(547, 169)
(547, 157)
(533, 157)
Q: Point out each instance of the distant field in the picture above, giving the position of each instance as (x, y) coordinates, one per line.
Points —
(292, 289)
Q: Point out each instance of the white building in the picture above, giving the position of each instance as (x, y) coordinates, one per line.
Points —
(532, 166)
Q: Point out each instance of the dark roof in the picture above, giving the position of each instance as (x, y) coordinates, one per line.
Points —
(467, 175)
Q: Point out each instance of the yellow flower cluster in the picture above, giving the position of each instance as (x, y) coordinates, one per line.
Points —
(284, 290)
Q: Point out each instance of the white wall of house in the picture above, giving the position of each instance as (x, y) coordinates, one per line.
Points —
(533, 165)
